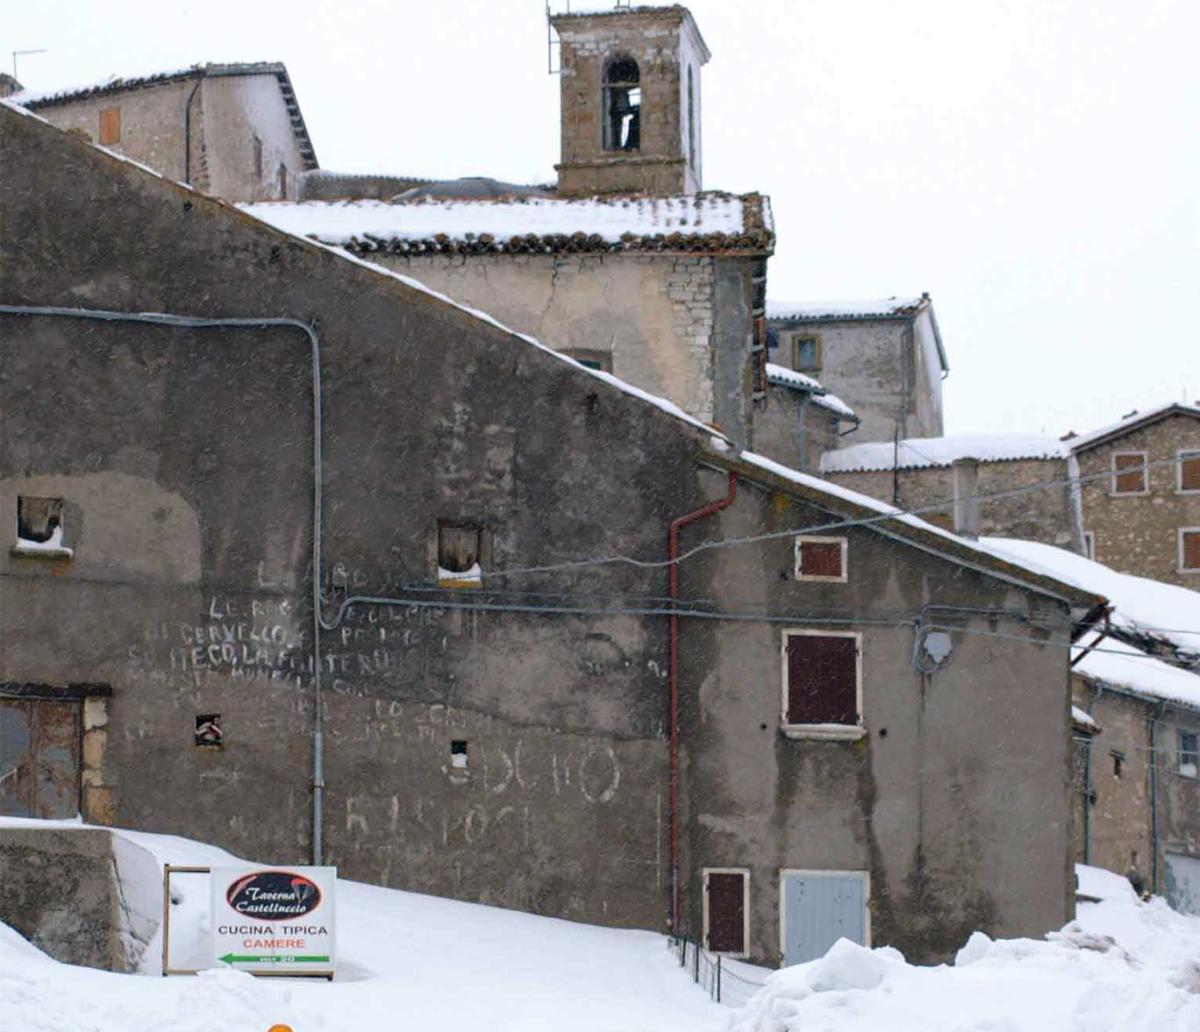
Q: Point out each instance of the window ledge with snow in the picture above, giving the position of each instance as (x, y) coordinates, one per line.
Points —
(471, 578)
(825, 732)
(51, 548)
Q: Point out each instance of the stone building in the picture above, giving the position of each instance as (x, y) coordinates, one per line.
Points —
(232, 130)
(1140, 487)
(319, 559)
(884, 358)
(801, 420)
(1010, 486)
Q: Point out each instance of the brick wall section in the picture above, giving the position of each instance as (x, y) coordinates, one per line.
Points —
(1044, 514)
(1139, 534)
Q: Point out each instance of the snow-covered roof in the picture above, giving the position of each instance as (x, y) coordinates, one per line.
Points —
(782, 376)
(1133, 421)
(1121, 665)
(929, 452)
(708, 222)
(1144, 609)
(1083, 720)
(874, 308)
(35, 99)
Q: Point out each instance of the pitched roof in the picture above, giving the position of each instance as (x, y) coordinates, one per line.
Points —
(35, 99)
(1117, 664)
(933, 452)
(1134, 421)
(720, 450)
(782, 376)
(705, 222)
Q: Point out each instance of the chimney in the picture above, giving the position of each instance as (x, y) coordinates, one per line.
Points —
(966, 497)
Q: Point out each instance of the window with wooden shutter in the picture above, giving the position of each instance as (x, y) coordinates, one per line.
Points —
(1129, 472)
(821, 678)
(725, 911)
(1189, 548)
(110, 125)
(821, 558)
(1189, 471)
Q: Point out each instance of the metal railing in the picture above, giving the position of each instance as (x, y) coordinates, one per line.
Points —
(712, 974)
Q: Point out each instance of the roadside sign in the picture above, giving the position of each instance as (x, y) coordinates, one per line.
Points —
(274, 920)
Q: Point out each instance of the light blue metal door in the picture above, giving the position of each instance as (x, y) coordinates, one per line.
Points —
(818, 909)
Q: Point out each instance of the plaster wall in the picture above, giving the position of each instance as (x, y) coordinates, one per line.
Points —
(791, 431)
(151, 123)
(1139, 534)
(935, 801)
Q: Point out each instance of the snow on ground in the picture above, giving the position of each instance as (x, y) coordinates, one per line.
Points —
(405, 961)
(1121, 966)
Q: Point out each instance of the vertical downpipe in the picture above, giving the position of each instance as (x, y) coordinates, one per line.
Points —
(673, 580)
(1151, 723)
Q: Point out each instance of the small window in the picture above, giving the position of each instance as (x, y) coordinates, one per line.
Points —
(806, 353)
(1189, 549)
(821, 558)
(1089, 544)
(258, 157)
(726, 910)
(593, 359)
(110, 125)
(1129, 473)
(822, 683)
(208, 731)
(283, 182)
(1118, 761)
(1189, 472)
(1189, 754)
(460, 548)
(458, 754)
(622, 105)
(40, 528)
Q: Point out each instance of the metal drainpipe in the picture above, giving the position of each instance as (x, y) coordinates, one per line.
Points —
(673, 575)
(1151, 721)
(187, 131)
(193, 322)
(802, 434)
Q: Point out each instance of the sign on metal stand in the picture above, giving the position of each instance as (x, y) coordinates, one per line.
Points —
(265, 920)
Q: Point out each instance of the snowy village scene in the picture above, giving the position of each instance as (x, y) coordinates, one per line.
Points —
(459, 569)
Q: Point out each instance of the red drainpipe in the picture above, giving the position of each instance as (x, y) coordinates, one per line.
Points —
(673, 554)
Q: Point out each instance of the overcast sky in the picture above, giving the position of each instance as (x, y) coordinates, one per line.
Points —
(1033, 164)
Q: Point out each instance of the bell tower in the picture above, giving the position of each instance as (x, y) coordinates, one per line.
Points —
(630, 94)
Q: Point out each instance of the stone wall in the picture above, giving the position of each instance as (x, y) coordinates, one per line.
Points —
(1139, 534)
(82, 895)
(1039, 514)
(791, 430)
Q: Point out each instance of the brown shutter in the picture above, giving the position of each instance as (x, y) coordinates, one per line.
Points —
(110, 125)
(1189, 472)
(821, 558)
(1191, 549)
(1133, 481)
(822, 679)
(726, 913)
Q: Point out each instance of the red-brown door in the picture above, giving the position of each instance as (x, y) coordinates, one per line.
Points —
(39, 757)
(725, 900)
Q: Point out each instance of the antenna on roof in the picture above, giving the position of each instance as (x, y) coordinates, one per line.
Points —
(22, 53)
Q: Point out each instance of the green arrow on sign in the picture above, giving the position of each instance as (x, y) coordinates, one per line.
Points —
(234, 958)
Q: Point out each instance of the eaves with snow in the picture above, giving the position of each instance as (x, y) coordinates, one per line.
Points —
(782, 376)
(835, 311)
(709, 223)
(932, 452)
(1134, 421)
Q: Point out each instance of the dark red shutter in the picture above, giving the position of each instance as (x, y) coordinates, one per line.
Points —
(821, 558)
(822, 679)
(1131, 473)
(1189, 473)
(110, 125)
(1191, 549)
(726, 913)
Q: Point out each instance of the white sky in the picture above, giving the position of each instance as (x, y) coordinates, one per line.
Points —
(1032, 163)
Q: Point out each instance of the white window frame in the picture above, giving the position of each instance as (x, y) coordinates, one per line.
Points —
(1144, 469)
(833, 732)
(1179, 545)
(1089, 544)
(809, 873)
(800, 539)
(1182, 455)
(745, 873)
(793, 339)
